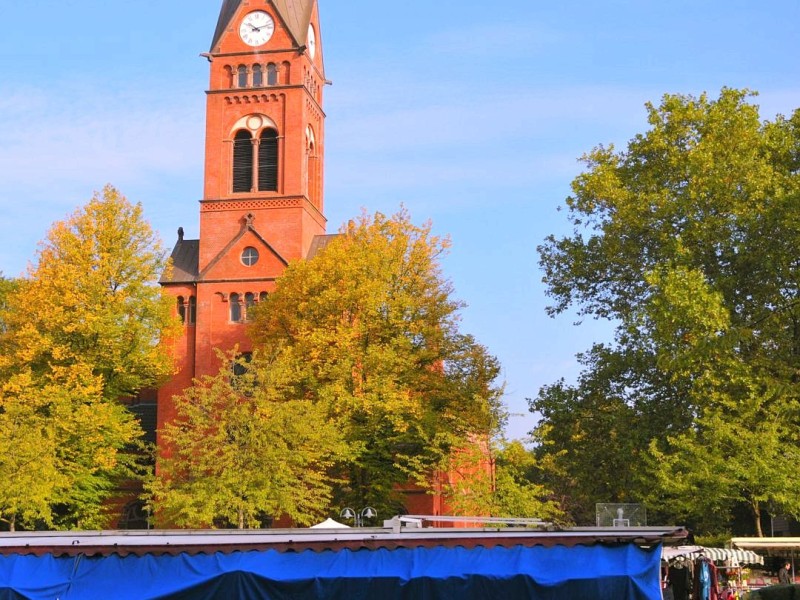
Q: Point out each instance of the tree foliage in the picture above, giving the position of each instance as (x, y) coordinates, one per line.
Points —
(81, 331)
(368, 331)
(508, 488)
(744, 438)
(7, 286)
(236, 454)
(687, 241)
(91, 299)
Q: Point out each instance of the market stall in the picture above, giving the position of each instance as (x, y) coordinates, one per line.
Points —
(392, 562)
(692, 571)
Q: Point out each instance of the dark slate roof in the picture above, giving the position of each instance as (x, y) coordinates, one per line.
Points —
(319, 243)
(295, 13)
(185, 260)
(297, 16)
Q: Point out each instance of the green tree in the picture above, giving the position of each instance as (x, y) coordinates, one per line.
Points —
(237, 454)
(500, 481)
(695, 221)
(368, 331)
(745, 431)
(82, 331)
(28, 461)
(63, 447)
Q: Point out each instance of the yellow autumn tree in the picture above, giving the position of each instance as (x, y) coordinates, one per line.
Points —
(92, 298)
(81, 331)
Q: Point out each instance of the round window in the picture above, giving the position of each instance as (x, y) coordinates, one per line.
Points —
(249, 256)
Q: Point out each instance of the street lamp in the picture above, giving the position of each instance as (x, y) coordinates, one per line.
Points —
(358, 517)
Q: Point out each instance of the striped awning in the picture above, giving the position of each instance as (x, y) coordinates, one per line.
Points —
(733, 557)
(741, 557)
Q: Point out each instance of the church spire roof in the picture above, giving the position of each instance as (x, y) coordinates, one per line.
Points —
(296, 14)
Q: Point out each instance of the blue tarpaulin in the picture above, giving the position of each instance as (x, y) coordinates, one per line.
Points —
(624, 572)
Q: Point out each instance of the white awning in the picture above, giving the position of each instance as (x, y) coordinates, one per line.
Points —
(767, 543)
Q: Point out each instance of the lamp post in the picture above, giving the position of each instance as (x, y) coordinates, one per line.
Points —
(358, 517)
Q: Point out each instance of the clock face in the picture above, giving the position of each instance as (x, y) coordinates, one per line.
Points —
(257, 28)
(312, 42)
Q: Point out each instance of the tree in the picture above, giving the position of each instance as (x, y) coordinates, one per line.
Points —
(745, 431)
(367, 330)
(63, 447)
(82, 331)
(695, 221)
(508, 489)
(236, 454)
(28, 462)
(92, 298)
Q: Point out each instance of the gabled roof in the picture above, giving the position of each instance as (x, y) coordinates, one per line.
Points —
(247, 226)
(319, 243)
(185, 260)
(296, 14)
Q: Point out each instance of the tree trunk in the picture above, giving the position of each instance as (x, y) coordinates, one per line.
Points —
(241, 518)
(12, 523)
(757, 516)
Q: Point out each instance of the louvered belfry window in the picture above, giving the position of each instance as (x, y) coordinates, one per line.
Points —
(268, 161)
(243, 162)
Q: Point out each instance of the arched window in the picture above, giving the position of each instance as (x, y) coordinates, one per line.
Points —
(241, 76)
(229, 75)
(285, 70)
(236, 308)
(263, 296)
(192, 314)
(243, 162)
(249, 304)
(268, 161)
(258, 76)
(255, 161)
(181, 309)
(272, 74)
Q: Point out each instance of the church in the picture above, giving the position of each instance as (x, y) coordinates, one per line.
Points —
(263, 193)
(262, 205)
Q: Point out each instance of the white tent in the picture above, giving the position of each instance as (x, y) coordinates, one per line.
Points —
(330, 524)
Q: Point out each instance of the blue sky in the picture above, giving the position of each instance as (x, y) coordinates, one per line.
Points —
(471, 114)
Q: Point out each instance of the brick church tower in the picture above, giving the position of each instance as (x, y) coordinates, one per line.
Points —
(262, 204)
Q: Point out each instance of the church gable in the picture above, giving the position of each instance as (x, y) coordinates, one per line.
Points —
(248, 256)
(294, 16)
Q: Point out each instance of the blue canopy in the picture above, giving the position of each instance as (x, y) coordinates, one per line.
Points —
(624, 572)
